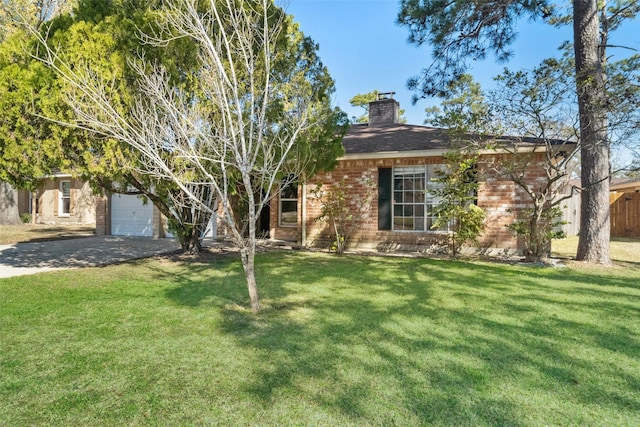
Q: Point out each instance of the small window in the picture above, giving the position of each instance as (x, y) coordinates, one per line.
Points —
(289, 205)
(65, 197)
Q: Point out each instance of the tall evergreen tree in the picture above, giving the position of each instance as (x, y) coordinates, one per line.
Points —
(462, 31)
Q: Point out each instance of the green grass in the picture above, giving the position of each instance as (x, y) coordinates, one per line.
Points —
(341, 341)
(624, 251)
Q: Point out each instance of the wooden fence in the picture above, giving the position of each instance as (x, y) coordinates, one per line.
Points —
(625, 214)
(571, 215)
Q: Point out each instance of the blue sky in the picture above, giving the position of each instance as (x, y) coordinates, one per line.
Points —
(364, 49)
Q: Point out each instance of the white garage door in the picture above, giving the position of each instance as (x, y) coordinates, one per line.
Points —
(130, 216)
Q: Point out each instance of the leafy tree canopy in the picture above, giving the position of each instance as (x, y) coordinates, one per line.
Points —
(464, 110)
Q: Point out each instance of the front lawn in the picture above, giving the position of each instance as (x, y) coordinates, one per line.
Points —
(342, 341)
(21, 233)
(625, 251)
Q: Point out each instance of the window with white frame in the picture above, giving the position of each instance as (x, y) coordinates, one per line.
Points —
(413, 203)
(65, 198)
(288, 212)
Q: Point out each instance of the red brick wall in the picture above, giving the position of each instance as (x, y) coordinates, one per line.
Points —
(500, 197)
(497, 197)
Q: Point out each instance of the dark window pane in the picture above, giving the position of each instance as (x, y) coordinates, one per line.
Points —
(408, 197)
(408, 211)
(397, 223)
(289, 212)
(408, 223)
(290, 191)
(408, 184)
(429, 223)
(65, 187)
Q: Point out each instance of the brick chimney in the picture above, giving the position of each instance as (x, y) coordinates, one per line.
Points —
(384, 111)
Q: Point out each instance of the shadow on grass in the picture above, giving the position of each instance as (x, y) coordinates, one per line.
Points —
(49, 233)
(196, 287)
(411, 341)
(82, 252)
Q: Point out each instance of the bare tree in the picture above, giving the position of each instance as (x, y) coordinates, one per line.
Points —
(257, 88)
(539, 107)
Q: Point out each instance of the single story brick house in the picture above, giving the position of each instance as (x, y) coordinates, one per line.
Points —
(400, 160)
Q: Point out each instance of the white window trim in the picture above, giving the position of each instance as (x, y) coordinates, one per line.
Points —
(284, 199)
(428, 178)
(61, 200)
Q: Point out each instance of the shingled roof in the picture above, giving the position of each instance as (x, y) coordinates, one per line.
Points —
(362, 138)
(385, 136)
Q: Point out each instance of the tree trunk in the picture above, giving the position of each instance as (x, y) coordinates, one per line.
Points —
(34, 207)
(247, 245)
(532, 253)
(593, 244)
(191, 244)
(247, 254)
(9, 214)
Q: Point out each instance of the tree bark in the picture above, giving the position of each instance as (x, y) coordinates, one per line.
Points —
(247, 254)
(593, 244)
(34, 207)
(9, 214)
(191, 244)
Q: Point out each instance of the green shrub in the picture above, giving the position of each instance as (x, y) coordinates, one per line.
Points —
(457, 210)
(537, 227)
(342, 211)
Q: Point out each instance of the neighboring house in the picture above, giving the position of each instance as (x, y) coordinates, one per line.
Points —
(625, 186)
(63, 199)
(60, 199)
(625, 208)
(400, 159)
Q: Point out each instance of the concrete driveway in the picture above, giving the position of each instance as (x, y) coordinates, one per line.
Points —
(30, 258)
